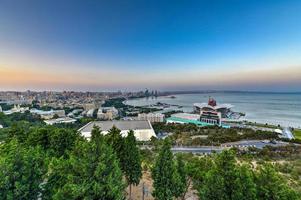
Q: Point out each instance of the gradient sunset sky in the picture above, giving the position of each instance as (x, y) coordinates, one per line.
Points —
(165, 45)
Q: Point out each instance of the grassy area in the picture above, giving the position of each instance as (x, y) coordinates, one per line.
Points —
(297, 133)
(262, 125)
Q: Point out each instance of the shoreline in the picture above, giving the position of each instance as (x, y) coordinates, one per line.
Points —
(257, 122)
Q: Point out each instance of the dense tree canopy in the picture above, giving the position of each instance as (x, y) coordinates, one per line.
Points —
(132, 160)
(270, 185)
(91, 172)
(185, 134)
(22, 171)
(47, 162)
(8, 120)
(116, 141)
(229, 180)
(181, 185)
(57, 141)
(164, 174)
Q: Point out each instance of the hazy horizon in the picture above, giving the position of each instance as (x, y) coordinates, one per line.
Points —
(179, 92)
(117, 45)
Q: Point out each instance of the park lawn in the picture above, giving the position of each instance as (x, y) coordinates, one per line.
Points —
(297, 133)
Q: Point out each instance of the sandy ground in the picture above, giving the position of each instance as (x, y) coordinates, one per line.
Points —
(147, 181)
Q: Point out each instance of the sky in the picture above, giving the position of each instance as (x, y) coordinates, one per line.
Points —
(87, 45)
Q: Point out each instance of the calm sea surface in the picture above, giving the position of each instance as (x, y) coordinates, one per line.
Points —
(272, 108)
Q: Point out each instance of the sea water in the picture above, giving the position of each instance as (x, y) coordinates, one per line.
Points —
(272, 108)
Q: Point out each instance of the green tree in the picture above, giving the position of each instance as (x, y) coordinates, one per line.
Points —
(55, 116)
(41, 137)
(213, 186)
(226, 168)
(132, 161)
(116, 141)
(226, 180)
(95, 133)
(270, 185)
(19, 131)
(245, 185)
(181, 186)
(91, 172)
(56, 141)
(164, 174)
(62, 140)
(197, 169)
(21, 171)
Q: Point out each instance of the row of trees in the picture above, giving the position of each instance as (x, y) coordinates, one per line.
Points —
(220, 177)
(227, 179)
(169, 175)
(57, 163)
(9, 120)
(185, 134)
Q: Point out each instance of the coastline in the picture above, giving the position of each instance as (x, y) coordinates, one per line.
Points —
(261, 108)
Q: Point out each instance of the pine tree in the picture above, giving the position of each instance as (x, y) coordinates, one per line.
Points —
(245, 185)
(95, 133)
(226, 168)
(91, 172)
(132, 161)
(212, 187)
(182, 183)
(219, 181)
(22, 170)
(116, 141)
(164, 174)
(270, 185)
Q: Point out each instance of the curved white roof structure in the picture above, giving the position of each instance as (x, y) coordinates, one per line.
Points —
(205, 105)
(143, 129)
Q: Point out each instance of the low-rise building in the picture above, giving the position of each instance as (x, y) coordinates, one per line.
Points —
(143, 129)
(205, 119)
(211, 117)
(62, 120)
(183, 117)
(90, 113)
(16, 109)
(107, 113)
(59, 113)
(89, 106)
(75, 113)
(152, 117)
(48, 114)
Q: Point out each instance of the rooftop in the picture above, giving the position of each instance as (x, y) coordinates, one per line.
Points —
(174, 119)
(203, 105)
(187, 116)
(122, 125)
(60, 120)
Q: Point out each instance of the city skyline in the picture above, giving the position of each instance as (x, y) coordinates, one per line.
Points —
(117, 45)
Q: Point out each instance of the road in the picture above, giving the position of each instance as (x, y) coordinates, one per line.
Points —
(240, 144)
(200, 150)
